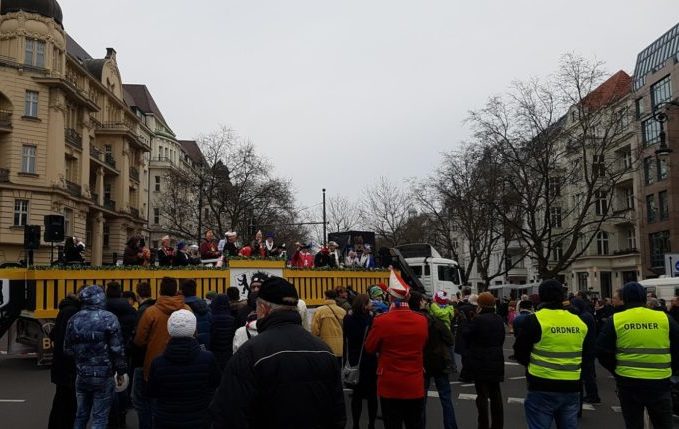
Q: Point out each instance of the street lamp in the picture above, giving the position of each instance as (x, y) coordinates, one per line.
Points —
(325, 225)
(661, 117)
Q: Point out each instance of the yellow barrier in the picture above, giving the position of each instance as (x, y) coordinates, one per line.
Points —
(53, 285)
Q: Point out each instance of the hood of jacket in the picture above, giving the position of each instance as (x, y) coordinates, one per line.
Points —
(118, 306)
(169, 304)
(221, 305)
(93, 297)
(182, 350)
(69, 301)
(198, 305)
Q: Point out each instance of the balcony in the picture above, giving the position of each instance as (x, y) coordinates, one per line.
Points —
(134, 212)
(73, 138)
(73, 188)
(5, 121)
(110, 205)
(95, 197)
(125, 129)
(108, 159)
(134, 174)
(95, 153)
(4, 175)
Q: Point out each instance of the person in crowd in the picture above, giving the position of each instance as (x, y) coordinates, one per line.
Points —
(502, 308)
(245, 332)
(326, 324)
(525, 310)
(551, 345)
(137, 353)
(441, 310)
(377, 300)
(235, 303)
(223, 329)
(96, 361)
(655, 304)
(302, 310)
(181, 257)
(322, 258)
(270, 248)
(166, 254)
(152, 335)
(297, 260)
(210, 297)
(245, 252)
(603, 312)
(511, 314)
(251, 304)
(62, 372)
(674, 309)
(73, 251)
(398, 338)
(437, 359)
(208, 248)
(367, 260)
(642, 379)
(336, 260)
(131, 298)
(231, 248)
(282, 251)
(183, 378)
(284, 377)
(352, 260)
(355, 329)
(485, 336)
(466, 310)
(579, 307)
(145, 298)
(257, 245)
(200, 310)
(127, 318)
(342, 299)
(307, 257)
(134, 251)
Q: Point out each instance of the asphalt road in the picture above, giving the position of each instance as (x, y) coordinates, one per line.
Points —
(26, 398)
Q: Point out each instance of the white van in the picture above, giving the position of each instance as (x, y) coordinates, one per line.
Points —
(435, 273)
(664, 287)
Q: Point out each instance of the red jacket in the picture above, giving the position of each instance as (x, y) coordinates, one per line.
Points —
(399, 337)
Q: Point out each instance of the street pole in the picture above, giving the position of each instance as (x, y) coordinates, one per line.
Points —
(325, 225)
(200, 207)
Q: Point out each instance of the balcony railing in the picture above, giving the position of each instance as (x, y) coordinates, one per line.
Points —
(73, 188)
(134, 211)
(110, 205)
(5, 119)
(73, 138)
(134, 173)
(4, 175)
(108, 158)
(95, 153)
(95, 197)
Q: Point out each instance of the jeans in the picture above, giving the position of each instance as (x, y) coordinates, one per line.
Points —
(397, 412)
(357, 409)
(443, 387)
(658, 403)
(94, 396)
(489, 391)
(542, 408)
(141, 402)
(64, 407)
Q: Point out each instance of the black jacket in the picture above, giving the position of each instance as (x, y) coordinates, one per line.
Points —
(436, 350)
(606, 347)
(465, 313)
(249, 307)
(354, 332)
(137, 353)
(63, 365)
(165, 259)
(182, 380)
(222, 331)
(181, 259)
(127, 317)
(485, 336)
(530, 334)
(282, 378)
(321, 260)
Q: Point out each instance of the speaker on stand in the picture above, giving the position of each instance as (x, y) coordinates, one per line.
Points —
(31, 242)
(54, 232)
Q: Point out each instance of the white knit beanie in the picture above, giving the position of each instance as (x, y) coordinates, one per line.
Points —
(182, 323)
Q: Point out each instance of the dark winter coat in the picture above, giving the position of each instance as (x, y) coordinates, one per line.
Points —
(181, 259)
(63, 365)
(249, 307)
(93, 337)
(465, 313)
(126, 314)
(321, 260)
(283, 378)
(437, 359)
(485, 336)
(182, 380)
(131, 255)
(137, 353)
(354, 328)
(222, 331)
(203, 318)
(166, 257)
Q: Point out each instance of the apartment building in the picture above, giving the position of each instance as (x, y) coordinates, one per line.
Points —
(69, 144)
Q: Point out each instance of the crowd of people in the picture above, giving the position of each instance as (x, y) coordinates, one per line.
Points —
(182, 361)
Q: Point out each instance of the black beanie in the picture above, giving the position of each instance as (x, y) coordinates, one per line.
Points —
(632, 293)
(277, 290)
(550, 291)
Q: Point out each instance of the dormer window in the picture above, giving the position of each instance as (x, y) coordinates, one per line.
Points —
(34, 53)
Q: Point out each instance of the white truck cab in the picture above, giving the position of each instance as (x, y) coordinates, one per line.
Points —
(435, 273)
(664, 287)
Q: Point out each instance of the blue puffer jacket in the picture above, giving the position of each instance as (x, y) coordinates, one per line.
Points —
(93, 337)
(203, 318)
(223, 330)
(182, 380)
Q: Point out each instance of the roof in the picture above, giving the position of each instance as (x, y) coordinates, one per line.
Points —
(139, 96)
(47, 8)
(95, 66)
(74, 49)
(612, 90)
(656, 55)
(192, 150)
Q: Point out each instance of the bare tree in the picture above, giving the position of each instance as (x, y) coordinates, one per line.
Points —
(386, 209)
(342, 214)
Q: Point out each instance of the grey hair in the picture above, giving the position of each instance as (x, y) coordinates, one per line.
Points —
(277, 307)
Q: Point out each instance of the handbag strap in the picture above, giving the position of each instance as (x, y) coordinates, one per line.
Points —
(360, 354)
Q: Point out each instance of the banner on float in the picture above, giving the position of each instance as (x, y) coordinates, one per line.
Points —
(241, 277)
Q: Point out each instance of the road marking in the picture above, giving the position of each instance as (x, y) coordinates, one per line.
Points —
(588, 407)
(13, 401)
(433, 394)
(517, 378)
(512, 363)
(616, 409)
(515, 400)
(467, 396)
(467, 385)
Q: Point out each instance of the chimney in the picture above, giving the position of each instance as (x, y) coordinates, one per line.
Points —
(110, 53)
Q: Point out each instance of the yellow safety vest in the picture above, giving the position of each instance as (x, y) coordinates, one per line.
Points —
(558, 354)
(643, 344)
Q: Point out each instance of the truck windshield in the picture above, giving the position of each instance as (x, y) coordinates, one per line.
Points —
(449, 274)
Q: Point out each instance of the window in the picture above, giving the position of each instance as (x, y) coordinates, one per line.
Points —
(160, 152)
(649, 170)
(28, 159)
(448, 273)
(20, 212)
(650, 208)
(582, 281)
(68, 222)
(598, 166)
(107, 234)
(622, 119)
(662, 168)
(157, 183)
(661, 92)
(156, 216)
(629, 198)
(660, 244)
(664, 204)
(417, 270)
(107, 192)
(601, 203)
(574, 115)
(627, 159)
(31, 105)
(555, 186)
(631, 239)
(651, 131)
(34, 53)
(639, 105)
(555, 217)
(602, 243)
(557, 252)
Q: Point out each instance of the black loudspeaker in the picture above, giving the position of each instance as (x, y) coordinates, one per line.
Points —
(54, 228)
(31, 237)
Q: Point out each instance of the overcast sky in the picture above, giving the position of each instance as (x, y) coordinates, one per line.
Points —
(338, 93)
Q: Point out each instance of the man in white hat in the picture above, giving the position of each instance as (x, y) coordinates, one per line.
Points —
(335, 258)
